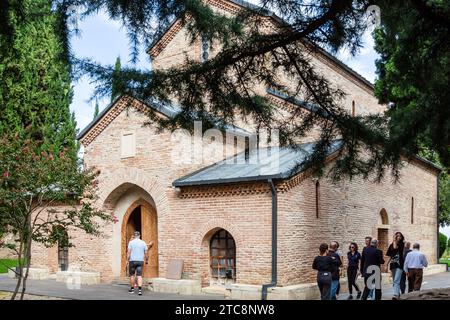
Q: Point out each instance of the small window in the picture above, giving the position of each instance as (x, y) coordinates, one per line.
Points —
(223, 256)
(353, 108)
(317, 199)
(412, 210)
(128, 145)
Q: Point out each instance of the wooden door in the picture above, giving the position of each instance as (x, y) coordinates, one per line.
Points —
(150, 233)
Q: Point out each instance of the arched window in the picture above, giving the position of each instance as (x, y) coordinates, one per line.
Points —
(223, 256)
(317, 199)
(412, 210)
(383, 219)
(353, 108)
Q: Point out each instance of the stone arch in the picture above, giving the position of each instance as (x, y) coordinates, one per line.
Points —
(111, 188)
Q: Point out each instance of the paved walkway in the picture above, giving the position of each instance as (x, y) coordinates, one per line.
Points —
(93, 292)
(120, 292)
(439, 280)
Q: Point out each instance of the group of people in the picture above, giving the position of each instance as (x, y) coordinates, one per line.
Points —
(404, 264)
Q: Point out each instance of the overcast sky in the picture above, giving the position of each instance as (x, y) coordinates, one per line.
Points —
(103, 41)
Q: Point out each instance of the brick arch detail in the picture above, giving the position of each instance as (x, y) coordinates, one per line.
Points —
(204, 234)
(205, 231)
(110, 188)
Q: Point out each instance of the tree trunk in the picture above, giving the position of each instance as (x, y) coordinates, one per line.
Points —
(28, 263)
(19, 280)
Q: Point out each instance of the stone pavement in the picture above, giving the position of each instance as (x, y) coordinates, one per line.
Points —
(120, 292)
(438, 280)
(93, 292)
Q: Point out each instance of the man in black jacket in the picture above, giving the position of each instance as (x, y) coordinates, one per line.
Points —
(372, 257)
(335, 273)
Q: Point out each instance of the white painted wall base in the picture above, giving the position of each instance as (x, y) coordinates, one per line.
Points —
(183, 286)
(34, 273)
(78, 278)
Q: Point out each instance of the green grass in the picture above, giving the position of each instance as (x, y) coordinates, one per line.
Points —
(4, 263)
(447, 261)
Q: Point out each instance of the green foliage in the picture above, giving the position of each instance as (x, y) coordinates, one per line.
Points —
(115, 89)
(414, 74)
(442, 243)
(35, 89)
(97, 109)
(7, 263)
(444, 185)
(34, 183)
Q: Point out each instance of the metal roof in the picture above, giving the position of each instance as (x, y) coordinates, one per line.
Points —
(261, 164)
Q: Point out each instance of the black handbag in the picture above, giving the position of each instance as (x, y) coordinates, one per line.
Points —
(324, 277)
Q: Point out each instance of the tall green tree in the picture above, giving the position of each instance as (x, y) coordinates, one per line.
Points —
(39, 168)
(115, 88)
(35, 86)
(97, 109)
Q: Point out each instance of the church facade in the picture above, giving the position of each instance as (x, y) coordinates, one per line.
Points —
(235, 221)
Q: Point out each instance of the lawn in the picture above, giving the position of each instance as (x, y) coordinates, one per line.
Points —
(4, 263)
(447, 261)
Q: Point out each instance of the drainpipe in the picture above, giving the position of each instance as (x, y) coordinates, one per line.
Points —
(274, 241)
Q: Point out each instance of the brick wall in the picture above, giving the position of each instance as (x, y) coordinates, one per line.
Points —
(349, 211)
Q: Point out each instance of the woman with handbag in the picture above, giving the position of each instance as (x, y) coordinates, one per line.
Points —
(396, 261)
(324, 265)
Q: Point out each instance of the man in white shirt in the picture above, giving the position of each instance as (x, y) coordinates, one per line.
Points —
(414, 263)
(137, 252)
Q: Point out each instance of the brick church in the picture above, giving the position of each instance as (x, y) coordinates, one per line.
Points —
(237, 223)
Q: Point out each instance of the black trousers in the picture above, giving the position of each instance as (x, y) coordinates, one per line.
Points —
(366, 289)
(325, 290)
(351, 279)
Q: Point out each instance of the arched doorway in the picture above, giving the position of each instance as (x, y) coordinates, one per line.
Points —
(222, 257)
(142, 217)
(383, 231)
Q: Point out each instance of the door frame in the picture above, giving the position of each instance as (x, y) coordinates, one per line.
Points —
(126, 217)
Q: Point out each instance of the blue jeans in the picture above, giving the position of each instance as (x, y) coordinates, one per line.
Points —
(334, 286)
(397, 278)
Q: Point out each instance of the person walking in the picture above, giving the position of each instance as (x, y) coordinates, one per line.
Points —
(367, 241)
(324, 266)
(415, 262)
(372, 257)
(341, 256)
(396, 262)
(354, 258)
(336, 268)
(403, 280)
(136, 254)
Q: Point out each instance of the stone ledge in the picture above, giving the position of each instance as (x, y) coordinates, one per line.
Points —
(183, 286)
(245, 291)
(435, 268)
(78, 277)
(34, 273)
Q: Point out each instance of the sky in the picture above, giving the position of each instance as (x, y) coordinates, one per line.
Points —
(103, 40)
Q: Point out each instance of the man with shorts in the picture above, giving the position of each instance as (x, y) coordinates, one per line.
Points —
(137, 252)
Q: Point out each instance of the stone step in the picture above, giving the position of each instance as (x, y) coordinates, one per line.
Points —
(216, 290)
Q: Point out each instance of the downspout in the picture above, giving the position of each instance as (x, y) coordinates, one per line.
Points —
(274, 240)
